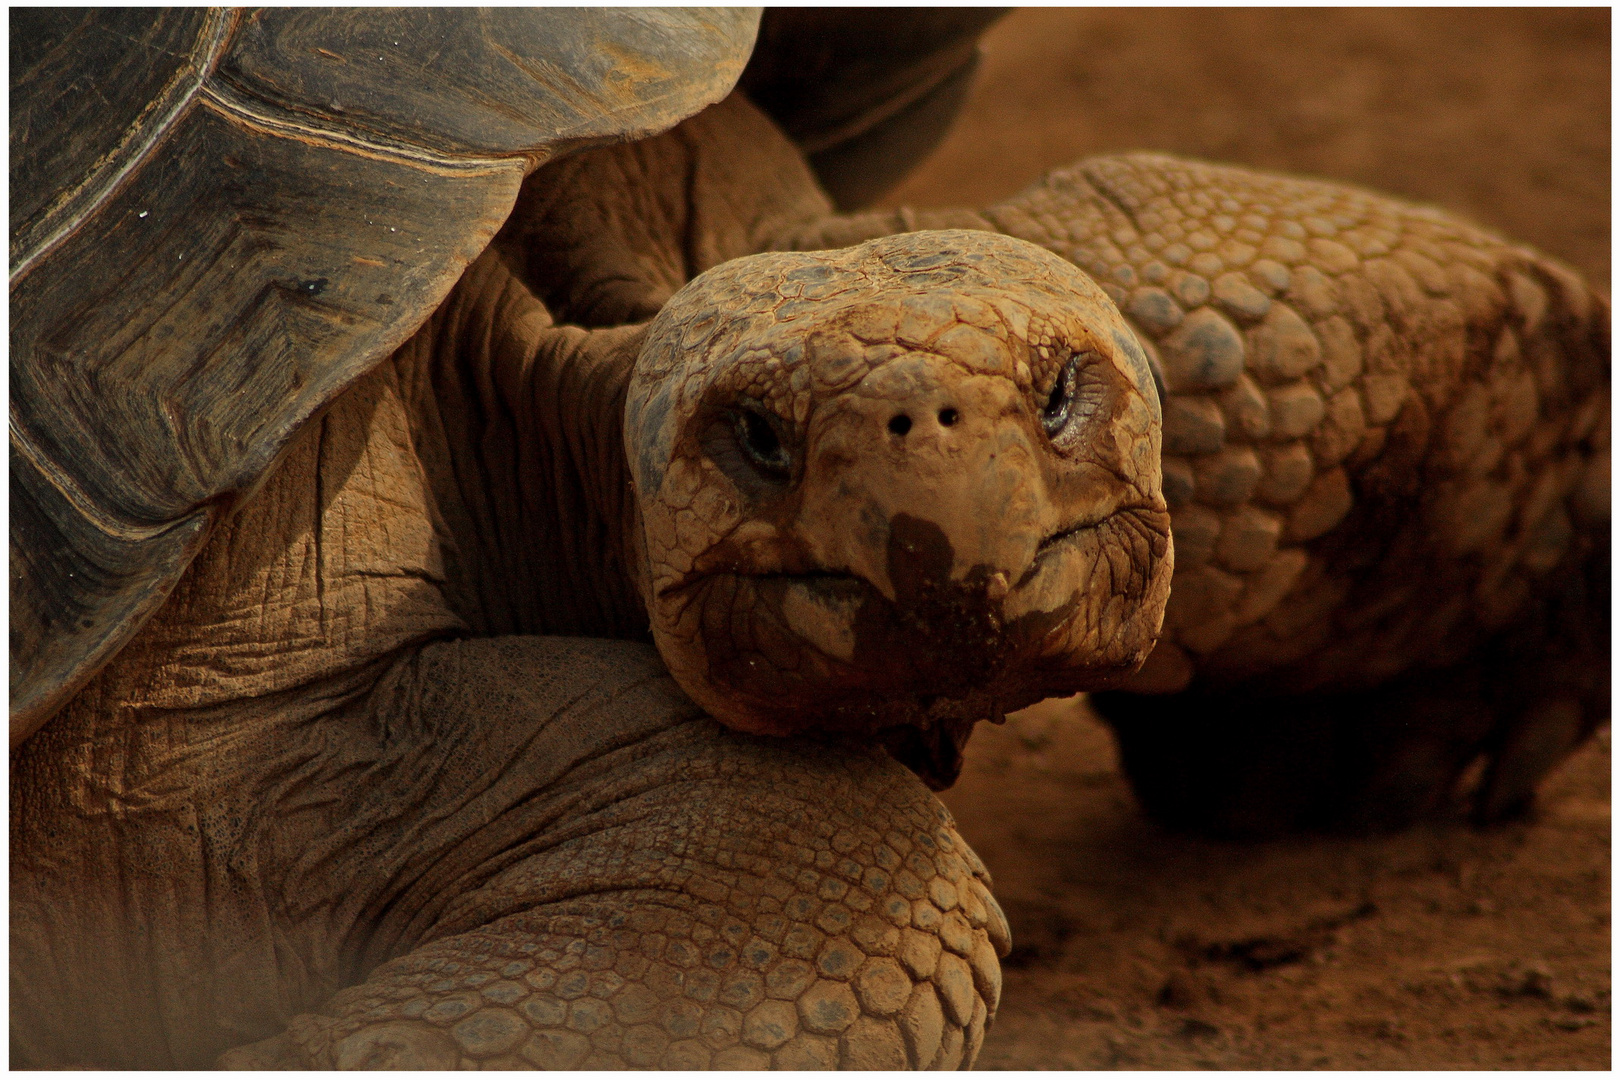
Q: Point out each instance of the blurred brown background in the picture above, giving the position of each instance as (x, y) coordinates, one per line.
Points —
(1501, 114)
(1442, 947)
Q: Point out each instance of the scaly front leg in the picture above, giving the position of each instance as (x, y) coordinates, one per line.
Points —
(681, 897)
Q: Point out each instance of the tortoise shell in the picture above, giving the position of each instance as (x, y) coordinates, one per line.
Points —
(221, 219)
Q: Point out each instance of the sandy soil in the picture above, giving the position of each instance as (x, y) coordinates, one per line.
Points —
(1442, 947)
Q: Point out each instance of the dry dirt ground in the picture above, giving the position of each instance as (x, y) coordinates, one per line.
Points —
(1442, 947)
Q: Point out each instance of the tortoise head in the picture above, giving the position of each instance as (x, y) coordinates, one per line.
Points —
(910, 484)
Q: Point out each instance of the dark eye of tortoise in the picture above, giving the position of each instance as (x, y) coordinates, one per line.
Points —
(760, 443)
(1057, 413)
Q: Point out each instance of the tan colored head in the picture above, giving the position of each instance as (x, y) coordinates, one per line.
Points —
(907, 483)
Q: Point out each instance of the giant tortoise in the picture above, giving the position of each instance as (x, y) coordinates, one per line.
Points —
(494, 573)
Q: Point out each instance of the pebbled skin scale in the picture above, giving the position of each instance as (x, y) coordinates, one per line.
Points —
(1369, 402)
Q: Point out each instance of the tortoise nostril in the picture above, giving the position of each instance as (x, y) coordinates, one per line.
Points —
(900, 424)
(947, 417)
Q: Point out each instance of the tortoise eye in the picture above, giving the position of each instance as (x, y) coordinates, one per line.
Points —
(1059, 408)
(760, 443)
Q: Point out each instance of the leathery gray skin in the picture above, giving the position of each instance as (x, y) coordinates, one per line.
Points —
(911, 484)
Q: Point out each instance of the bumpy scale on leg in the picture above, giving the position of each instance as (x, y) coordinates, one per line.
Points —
(709, 900)
(1386, 453)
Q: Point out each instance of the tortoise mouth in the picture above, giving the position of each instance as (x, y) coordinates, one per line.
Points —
(786, 651)
(1052, 545)
(819, 577)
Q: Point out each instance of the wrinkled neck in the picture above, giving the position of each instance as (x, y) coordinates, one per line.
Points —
(574, 471)
(521, 437)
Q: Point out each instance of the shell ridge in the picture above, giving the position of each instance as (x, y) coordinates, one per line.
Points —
(230, 103)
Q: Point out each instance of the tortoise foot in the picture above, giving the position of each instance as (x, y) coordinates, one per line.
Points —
(1244, 766)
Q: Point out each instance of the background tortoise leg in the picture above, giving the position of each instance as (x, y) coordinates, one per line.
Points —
(683, 897)
(1239, 766)
(1243, 764)
(1553, 678)
(1236, 765)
